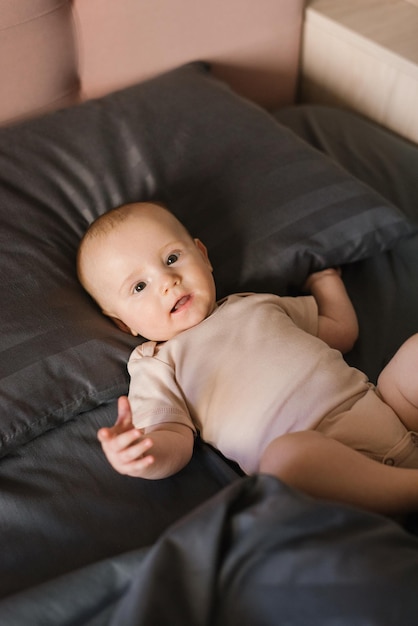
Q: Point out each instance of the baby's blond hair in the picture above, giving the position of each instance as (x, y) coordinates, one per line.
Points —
(104, 224)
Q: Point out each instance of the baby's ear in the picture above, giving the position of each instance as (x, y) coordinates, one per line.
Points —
(203, 249)
(122, 326)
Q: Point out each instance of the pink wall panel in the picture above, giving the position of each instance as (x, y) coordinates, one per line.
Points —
(254, 44)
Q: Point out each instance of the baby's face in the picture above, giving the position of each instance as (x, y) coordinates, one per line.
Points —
(150, 276)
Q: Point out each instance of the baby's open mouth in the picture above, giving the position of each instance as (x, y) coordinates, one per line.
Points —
(180, 303)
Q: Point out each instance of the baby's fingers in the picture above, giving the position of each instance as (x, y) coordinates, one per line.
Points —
(110, 434)
(135, 452)
(104, 434)
(122, 425)
(113, 440)
(132, 460)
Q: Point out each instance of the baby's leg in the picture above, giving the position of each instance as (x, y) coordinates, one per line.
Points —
(398, 383)
(325, 468)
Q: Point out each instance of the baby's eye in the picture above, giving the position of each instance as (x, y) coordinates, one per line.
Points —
(172, 258)
(139, 287)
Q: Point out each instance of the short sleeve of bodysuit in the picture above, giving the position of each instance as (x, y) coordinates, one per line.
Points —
(154, 394)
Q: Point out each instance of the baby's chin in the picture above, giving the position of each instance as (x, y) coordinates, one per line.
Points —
(175, 333)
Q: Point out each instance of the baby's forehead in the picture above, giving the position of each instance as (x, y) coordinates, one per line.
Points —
(152, 223)
(157, 221)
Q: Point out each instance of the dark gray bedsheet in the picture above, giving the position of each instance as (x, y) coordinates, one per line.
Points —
(62, 506)
(257, 554)
(64, 512)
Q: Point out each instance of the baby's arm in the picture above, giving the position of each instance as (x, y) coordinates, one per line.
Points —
(337, 325)
(160, 452)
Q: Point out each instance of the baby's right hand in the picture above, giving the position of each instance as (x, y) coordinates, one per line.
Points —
(124, 445)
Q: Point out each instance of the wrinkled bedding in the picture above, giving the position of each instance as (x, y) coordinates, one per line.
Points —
(256, 553)
(81, 544)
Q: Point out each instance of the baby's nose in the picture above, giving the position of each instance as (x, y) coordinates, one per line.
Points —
(169, 281)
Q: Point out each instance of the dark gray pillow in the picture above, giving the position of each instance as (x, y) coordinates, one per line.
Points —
(270, 209)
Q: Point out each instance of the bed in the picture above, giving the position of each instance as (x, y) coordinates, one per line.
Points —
(106, 103)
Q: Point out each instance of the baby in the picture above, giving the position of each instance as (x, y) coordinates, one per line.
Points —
(259, 376)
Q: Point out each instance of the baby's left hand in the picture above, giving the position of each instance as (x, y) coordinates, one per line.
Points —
(315, 276)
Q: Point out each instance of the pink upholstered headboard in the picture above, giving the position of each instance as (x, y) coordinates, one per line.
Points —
(56, 52)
